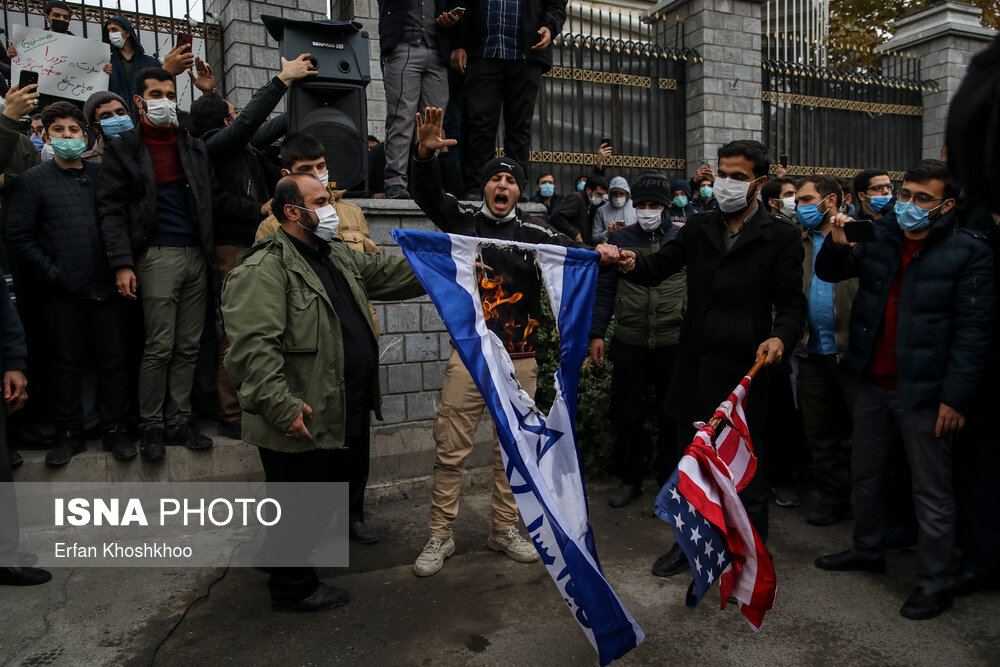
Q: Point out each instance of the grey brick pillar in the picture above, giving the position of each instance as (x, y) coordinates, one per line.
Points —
(945, 37)
(366, 13)
(723, 87)
(250, 54)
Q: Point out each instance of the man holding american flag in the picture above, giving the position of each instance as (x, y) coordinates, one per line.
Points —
(744, 299)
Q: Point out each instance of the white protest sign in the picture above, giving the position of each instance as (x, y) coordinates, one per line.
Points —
(67, 66)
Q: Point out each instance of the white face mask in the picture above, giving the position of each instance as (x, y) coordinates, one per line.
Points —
(618, 202)
(161, 112)
(117, 39)
(329, 222)
(648, 219)
(595, 200)
(788, 207)
(732, 194)
(324, 178)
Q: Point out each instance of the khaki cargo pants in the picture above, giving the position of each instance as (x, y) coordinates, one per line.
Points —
(458, 416)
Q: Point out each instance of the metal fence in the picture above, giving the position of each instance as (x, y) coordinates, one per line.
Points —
(156, 31)
(850, 109)
(611, 78)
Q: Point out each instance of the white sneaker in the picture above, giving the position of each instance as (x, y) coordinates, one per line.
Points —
(431, 559)
(512, 544)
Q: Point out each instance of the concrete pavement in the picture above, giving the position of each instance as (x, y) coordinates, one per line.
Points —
(484, 609)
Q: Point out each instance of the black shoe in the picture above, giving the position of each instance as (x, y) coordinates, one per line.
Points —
(324, 597)
(119, 444)
(15, 458)
(923, 604)
(362, 532)
(185, 435)
(232, 430)
(848, 561)
(827, 514)
(671, 563)
(785, 495)
(23, 576)
(66, 447)
(968, 583)
(151, 447)
(624, 494)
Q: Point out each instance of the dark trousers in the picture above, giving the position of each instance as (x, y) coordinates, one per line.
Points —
(76, 330)
(786, 449)
(291, 584)
(639, 381)
(977, 491)
(754, 496)
(492, 86)
(9, 531)
(875, 414)
(827, 394)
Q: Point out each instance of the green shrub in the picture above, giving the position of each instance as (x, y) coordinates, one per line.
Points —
(594, 432)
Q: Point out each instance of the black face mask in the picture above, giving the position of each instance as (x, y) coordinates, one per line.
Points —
(60, 26)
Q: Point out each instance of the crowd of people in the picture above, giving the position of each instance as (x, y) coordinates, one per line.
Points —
(159, 257)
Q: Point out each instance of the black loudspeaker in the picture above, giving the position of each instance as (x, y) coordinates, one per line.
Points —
(332, 106)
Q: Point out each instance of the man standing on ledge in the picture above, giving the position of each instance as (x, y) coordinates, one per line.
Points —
(303, 354)
(513, 271)
(742, 266)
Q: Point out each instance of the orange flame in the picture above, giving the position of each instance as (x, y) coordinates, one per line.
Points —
(494, 296)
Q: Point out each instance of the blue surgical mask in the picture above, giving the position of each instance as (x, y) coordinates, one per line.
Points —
(809, 216)
(114, 126)
(547, 189)
(680, 201)
(878, 202)
(912, 218)
(580, 186)
(68, 149)
(705, 191)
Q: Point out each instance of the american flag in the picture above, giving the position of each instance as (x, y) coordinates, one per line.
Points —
(705, 549)
(714, 467)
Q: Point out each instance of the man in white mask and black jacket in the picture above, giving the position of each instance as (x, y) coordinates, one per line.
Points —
(514, 321)
(744, 299)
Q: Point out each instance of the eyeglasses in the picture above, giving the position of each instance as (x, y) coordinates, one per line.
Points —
(919, 198)
(881, 187)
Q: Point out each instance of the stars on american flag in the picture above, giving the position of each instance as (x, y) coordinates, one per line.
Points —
(705, 550)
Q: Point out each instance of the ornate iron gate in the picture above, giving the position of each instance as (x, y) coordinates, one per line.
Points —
(850, 109)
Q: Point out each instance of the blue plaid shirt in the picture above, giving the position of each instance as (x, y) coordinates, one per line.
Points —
(502, 36)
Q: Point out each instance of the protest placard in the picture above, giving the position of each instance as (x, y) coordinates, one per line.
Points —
(67, 66)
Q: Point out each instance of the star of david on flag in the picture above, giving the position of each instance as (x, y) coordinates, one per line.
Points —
(539, 450)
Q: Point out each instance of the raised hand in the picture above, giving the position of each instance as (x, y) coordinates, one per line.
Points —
(205, 80)
(298, 68)
(430, 136)
(21, 102)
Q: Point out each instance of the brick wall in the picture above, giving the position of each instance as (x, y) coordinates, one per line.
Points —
(250, 54)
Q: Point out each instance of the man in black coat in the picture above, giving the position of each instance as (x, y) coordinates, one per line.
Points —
(742, 266)
(53, 226)
(503, 50)
(156, 197)
(574, 217)
(919, 336)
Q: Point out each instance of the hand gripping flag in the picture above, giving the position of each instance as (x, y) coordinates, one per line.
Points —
(710, 523)
(539, 451)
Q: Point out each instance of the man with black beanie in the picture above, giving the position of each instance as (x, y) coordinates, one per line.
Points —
(514, 320)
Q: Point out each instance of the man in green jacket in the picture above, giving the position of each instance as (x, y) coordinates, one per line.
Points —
(644, 343)
(303, 354)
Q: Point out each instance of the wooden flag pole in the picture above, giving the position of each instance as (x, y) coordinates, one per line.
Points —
(753, 371)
